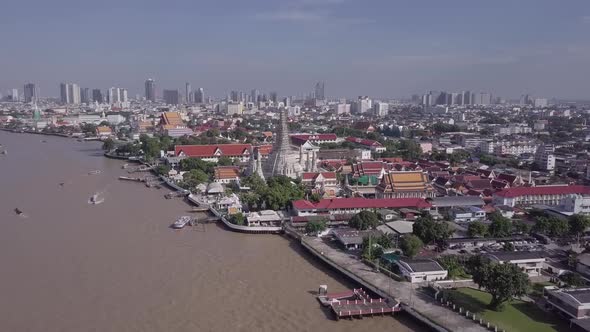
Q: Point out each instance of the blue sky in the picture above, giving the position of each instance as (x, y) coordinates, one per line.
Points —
(382, 48)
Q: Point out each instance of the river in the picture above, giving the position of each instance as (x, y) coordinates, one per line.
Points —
(117, 266)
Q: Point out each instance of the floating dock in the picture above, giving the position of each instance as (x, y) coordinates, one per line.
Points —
(357, 303)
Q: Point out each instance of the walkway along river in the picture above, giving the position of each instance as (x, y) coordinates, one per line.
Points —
(117, 266)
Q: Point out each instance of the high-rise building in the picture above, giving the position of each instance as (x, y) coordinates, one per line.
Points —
(381, 109)
(171, 97)
(273, 97)
(14, 95)
(540, 102)
(30, 93)
(188, 93)
(234, 96)
(200, 96)
(466, 100)
(64, 93)
(482, 98)
(362, 105)
(85, 95)
(525, 100)
(70, 93)
(254, 96)
(319, 91)
(150, 90)
(97, 96)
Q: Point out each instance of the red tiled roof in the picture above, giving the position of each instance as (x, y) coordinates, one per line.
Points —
(264, 149)
(204, 151)
(362, 203)
(313, 175)
(363, 141)
(543, 190)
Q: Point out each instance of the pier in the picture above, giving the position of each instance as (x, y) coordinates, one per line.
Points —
(416, 304)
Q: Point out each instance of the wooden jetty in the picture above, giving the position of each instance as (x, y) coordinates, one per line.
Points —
(357, 303)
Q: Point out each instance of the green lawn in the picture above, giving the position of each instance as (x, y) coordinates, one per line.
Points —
(517, 316)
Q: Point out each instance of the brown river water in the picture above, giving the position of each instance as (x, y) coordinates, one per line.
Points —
(67, 265)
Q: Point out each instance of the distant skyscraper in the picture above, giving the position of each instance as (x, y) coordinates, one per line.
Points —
(319, 91)
(69, 93)
(85, 95)
(97, 96)
(188, 93)
(64, 93)
(150, 90)
(30, 93)
(526, 100)
(171, 97)
(234, 96)
(14, 95)
(200, 96)
(467, 98)
(274, 97)
(254, 96)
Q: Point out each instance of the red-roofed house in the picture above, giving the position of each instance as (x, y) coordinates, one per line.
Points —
(324, 183)
(355, 205)
(214, 152)
(368, 143)
(547, 195)
(300, 139)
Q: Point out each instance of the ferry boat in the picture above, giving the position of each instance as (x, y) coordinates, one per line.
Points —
(181, 222)
(95, 199)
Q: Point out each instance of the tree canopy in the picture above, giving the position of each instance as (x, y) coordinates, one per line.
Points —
(194, 177)
(411, 245)
(500, 226)
(108, 144)
(502, 281)
(315, 226)
(430, 231)
(477, 229)
(364, 220)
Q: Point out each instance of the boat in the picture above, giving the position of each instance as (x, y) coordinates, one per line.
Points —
(18, 211)
(125, 166)
(181, 222)
(43, 141)
(94, 172)
(95, 199)
(4, 152)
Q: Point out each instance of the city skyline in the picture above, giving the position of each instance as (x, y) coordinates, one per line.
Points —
(535, 47)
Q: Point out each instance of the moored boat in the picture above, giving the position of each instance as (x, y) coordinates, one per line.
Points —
(181, 222)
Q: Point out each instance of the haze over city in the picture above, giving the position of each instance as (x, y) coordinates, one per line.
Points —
(380, 48)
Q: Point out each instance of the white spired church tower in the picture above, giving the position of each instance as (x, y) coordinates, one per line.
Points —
(283, 160)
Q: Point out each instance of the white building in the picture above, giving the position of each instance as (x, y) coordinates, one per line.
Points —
(381, 109)
(342, 109)
(363, 105)
(421, 270)
(531, 262)
(540, 102)
(544, 157)
(234, 108)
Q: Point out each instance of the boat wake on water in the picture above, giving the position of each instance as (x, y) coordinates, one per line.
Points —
(95, 199)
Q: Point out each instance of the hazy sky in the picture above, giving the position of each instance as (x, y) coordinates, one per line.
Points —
(382, 48)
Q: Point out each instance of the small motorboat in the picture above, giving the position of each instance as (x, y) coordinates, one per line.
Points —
(181, 222)
(4, 152)
(95, 199)
(94, 172)
(18, 211)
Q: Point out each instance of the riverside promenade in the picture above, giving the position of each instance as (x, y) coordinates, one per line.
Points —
(417, 304)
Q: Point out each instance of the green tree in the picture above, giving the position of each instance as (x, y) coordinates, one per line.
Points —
(225, 161)
(578, 224)
(108, 144)
(477, 229)
(500, 226)
(508, 246)
(194, 177)
(572, 279)
(238, 219)
(552, 226)
(502, 281)
(520, 227)
(411, 245)
(163, 169)
(371, 249)
(452, 264)
(430, 231)
(315, 197)
(364, 220)
(315, 226)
